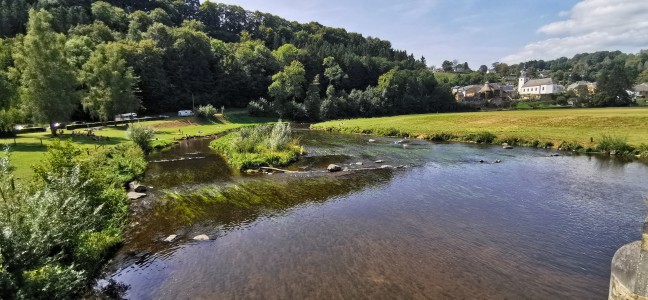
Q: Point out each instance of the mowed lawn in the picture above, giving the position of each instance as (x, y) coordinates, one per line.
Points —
(553, 125)
(29, 148)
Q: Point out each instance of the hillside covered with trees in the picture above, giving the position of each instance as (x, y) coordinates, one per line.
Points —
(93, 59)
(565, 71)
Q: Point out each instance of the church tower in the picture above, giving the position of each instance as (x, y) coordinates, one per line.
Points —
(523, 79)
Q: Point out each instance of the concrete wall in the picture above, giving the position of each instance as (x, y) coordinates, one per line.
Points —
(629, 278)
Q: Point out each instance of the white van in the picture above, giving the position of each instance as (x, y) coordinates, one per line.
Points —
(126, 116)
(185, 113)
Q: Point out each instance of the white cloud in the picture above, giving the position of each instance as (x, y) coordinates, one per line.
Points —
(592, 25)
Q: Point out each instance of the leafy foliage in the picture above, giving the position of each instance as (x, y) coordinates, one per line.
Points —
(56, 233)
(48, 81)
(140, 135)
(206, 111)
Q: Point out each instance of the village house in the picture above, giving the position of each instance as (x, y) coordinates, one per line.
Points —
(641, 90)
(591, 87)
(537, 88)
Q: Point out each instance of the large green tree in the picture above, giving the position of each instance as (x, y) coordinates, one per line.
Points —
(111, 83)
(48, 83)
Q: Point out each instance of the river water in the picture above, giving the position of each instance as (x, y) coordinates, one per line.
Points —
(444, 226)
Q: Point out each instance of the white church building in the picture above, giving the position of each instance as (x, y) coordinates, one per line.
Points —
(537, 88)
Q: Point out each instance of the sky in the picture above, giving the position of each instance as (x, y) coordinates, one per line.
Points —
(479, 32)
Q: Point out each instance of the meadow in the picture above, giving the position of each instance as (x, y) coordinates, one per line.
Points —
(585, 127)
(28, 149)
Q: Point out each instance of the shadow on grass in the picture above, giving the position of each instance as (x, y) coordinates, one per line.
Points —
(39, 144)
(244, 118)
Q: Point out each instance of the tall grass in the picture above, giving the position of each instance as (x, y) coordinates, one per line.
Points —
(614, 144)
(265, 145)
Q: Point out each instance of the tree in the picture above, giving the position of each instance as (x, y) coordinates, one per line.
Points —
(286, 54)
(313, 100)
(611, 88)
(49, 84)
(115, 17)
(447, 66)
(483, 69)
(111, 84)
(333, 72)
(287, 85)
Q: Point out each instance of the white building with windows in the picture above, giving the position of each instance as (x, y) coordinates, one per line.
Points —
(537, 88)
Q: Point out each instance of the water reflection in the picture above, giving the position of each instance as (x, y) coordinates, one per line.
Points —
(531, 227)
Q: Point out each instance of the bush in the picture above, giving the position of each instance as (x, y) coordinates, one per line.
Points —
(442, 137)
(611, 144)
(483, 137)
(570, 146)
(207, 112)
(141, 135)
(52, 282)
(56, 233)
(261, 108)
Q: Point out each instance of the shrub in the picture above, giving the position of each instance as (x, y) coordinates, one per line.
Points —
(483, 137)
(611, 144)
(642, 151)
(442, 137)
(261, 108)
(141, 135)
(56, 233)
(52, 282)
(570, 146)
(207, 112)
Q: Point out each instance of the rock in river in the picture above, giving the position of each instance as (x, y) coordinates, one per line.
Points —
(334, 168)
(135, 196)
(137, 187)
(201, 237)
(170, 238)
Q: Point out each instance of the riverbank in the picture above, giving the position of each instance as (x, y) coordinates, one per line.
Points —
(27, 149)
(576, 128)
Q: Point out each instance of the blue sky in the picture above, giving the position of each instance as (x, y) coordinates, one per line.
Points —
(479, 31)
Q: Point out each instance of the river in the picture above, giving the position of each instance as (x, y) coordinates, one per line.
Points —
(444, 226)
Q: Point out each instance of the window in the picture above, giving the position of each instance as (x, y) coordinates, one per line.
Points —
(543, 88)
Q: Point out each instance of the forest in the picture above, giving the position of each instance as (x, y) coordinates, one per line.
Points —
(83, 59)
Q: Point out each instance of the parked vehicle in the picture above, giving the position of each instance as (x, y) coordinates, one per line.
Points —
(185, 113)
(125, 117)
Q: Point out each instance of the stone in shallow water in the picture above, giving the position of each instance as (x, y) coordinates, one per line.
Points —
(334, 168)
(387, 167)
(201, 237)
(135, 196)
(170, 238)
(372, 141)
(380, 161)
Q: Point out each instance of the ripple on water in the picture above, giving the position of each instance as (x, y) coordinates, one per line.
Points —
(532, 227)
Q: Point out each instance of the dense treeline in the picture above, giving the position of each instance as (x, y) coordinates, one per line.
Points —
(581, 67)
(118, 56)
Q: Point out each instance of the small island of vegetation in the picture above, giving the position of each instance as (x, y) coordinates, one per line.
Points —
(260, 146)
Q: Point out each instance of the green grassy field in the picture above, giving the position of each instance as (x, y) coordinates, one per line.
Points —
(556, 125)
(29, 148)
